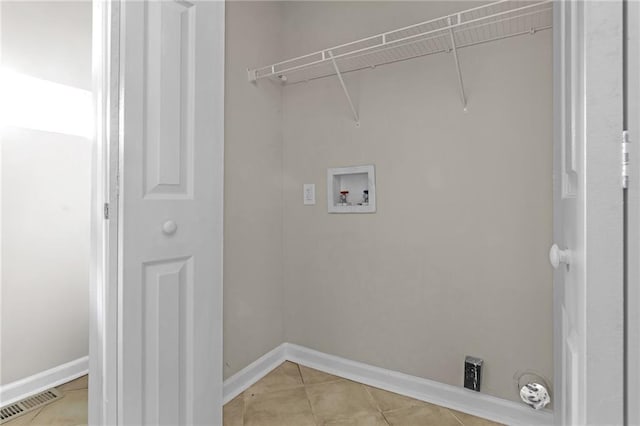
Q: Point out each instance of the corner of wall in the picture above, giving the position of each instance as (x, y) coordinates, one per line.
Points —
(253, 271)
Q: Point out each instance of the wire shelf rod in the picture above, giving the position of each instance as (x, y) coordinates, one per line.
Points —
(344, 88)
(455, 57)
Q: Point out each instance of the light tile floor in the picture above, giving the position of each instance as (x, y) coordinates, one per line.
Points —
(294, 395)
(291, 395)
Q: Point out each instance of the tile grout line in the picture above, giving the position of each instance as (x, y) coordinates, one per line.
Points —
(299, 372)
(244, 406)
(455, 417)
(385, 419)
(34, 417)
(375, 401)
(366, 388)
(304, 385)
(336, 380)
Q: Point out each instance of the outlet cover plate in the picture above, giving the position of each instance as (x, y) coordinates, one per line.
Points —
(309, 194)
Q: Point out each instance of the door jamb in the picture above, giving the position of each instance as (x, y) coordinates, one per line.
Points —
(633, 214)
(600, 195)
(103, 293)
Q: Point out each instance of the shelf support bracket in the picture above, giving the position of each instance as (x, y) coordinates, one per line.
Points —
(455, 57)
(344, 88)
(252, 76)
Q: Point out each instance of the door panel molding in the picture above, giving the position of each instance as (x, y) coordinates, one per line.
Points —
(568, 81)
(169, 54)
(166, 321)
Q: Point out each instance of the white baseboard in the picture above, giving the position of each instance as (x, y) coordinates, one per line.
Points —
(454, 397)
(255, 371)
(32, 385)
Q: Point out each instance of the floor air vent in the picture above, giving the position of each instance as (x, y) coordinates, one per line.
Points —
(34, 402)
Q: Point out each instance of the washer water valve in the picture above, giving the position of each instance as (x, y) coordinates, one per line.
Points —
(533, 389)
(535, 395)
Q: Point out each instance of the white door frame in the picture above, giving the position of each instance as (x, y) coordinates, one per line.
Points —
(602, 25)
(595, 391)
(103, 340)
(633, 214)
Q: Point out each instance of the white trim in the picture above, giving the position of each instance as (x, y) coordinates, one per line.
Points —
(103, 294)
(633, 215)
(255, 371)
(23, 388)
(600, 253)
(454, 397)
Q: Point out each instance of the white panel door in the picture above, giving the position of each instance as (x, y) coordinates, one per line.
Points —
(588, 214)
(170, 309)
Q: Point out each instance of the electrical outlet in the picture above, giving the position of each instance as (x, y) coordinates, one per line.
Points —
(309, 194)
(472, 373)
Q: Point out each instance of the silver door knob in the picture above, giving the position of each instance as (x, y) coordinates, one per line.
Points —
(169, 227)
(557, 256)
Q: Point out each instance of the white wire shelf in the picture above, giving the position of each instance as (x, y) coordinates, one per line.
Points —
(495, 21)
(490, 22)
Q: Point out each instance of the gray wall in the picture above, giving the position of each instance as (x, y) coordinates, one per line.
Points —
(253, 188)
(45, 198)
(454, 262)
